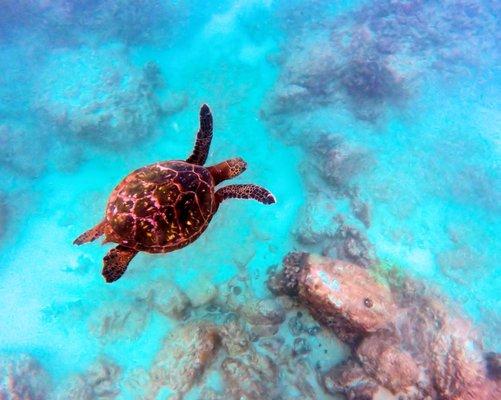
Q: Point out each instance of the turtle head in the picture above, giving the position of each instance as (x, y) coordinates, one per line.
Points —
(227, 169)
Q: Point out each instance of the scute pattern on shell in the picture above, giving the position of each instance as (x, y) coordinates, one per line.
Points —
(162, 207)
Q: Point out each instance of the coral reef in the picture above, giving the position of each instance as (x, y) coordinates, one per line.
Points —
(22, 377)
(350, 379)
(405, 341)
(335, 166)
(100, 382)
(70, 22)
(203, 293)
(452, 31)
(369, 58)
(185, 355)
(168, 299)
(351, 244)
(337, 162)
(96, 95)
(252, 376)
(263, 316)
(236, 340)
(335, 238)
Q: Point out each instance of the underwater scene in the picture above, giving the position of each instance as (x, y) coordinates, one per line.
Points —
(250, 199)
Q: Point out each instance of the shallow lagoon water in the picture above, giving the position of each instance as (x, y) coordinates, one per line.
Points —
(84, 103)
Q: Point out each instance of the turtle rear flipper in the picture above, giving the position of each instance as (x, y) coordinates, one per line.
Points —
(116, 262)
(204, 138)
(92, 234)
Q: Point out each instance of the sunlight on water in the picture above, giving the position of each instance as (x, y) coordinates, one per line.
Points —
(376, 126)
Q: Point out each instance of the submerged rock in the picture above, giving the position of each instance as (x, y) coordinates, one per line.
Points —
(344, 297)
(406, 343)
(22, 377)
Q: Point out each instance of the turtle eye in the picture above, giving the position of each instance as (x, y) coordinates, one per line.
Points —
(368, 302)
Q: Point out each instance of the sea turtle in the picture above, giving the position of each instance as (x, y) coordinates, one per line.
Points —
(167, 205)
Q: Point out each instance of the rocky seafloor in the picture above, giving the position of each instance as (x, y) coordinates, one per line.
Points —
(376, 126)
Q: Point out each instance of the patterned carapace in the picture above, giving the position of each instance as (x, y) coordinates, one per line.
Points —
(167, 205)
(163, 206)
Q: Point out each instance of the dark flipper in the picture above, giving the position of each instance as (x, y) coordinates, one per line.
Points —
(245, 192)
(91, 235)
(204, 137)
(116, 262)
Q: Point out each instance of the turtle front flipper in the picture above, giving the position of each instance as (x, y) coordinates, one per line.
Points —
(204, 138)
(92, 234)
(245, 192)
(116, 262)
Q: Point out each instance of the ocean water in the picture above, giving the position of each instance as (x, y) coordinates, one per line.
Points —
(382, 114)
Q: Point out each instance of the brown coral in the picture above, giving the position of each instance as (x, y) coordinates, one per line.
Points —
(99, 383)
(23, 378)
(185, 355)
(252, 377)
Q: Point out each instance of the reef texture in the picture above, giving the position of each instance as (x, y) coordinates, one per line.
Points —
(105, 100)
(405, 342)
(371, 58)
(331, 172)
(100, 382)
(67, 22)
(226, 343)
(182, 360)
(22, 378)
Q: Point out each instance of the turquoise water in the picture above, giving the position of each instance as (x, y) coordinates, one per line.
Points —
(91, 91)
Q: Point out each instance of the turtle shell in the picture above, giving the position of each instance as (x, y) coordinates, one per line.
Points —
(161, 207)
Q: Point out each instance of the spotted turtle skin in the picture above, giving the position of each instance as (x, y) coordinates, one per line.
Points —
(161, 207)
